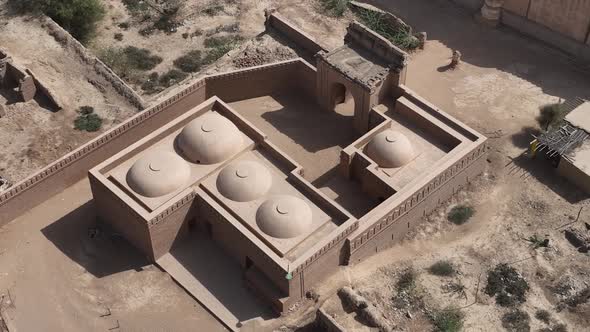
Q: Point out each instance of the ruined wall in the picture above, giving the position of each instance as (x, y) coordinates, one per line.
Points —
(326, 323)
(277, 22)
(64, 37)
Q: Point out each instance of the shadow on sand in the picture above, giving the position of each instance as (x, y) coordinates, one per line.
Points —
(92, 244)
(504, 48)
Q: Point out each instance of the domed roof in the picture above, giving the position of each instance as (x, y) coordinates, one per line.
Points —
(158, 173)
(244, 181)
(390, 149)
(284, 217)
(209, 139)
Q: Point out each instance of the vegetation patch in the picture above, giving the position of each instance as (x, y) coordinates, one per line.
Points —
(543, 315)
(407, 280)
(219, 46)
(460, 214)
(78, 17)
(118, 36)
(172, 77)
(442, 268)
(551, 116)
(334, 8)
(213, 9)
(87, 120)
(190, 62)
(507, 285)
(516, 321)
(448, 320)
(128, 61)
(398, 35)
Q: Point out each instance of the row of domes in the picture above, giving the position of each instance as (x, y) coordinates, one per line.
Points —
(208, 139)
(279, 216)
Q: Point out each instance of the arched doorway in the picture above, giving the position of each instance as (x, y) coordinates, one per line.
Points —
(342, 100)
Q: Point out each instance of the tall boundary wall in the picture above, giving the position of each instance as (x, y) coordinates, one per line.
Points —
(74, 166)
(564, 24)
(64, 37)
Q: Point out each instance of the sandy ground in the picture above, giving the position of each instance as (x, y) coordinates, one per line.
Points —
(32, 135)
(497, 90)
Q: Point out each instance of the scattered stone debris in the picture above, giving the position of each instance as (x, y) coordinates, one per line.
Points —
(579, 237)
(312, 295)
(4, 184)
(256, 56)
(367, 311)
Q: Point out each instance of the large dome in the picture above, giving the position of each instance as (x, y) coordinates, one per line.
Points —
(244, 181)
(284, 217)
(210, 139)
(158, 173)
(390, 149)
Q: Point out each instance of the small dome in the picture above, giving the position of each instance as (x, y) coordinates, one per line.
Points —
(244, 181)
(390, 149)
(284, 217)
(158, 173)
(210, 139)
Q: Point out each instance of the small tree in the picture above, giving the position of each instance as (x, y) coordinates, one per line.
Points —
(550, 115)
(79, 17)
(87, 120)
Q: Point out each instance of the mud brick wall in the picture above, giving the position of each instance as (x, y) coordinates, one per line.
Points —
(63, 37)
(326, 323)
(299, 37)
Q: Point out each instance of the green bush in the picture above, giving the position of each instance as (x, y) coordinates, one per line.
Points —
(87, 120)
(190, 62)
(172, 77)
(550, 115)
(507, 285)
(460, 214)
(442, 268)
(407, 280)
(335, 8)
(376, 21)
(516, 321)
(448, 320)
(543, 315)
(213, 9)
(141, 58)
(219, 46)
(79, 17)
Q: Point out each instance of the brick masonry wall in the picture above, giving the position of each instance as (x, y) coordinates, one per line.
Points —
(401, 219)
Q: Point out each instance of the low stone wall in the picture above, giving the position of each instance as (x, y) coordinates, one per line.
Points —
(293, 33)
(326, 323)
(63, 37)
